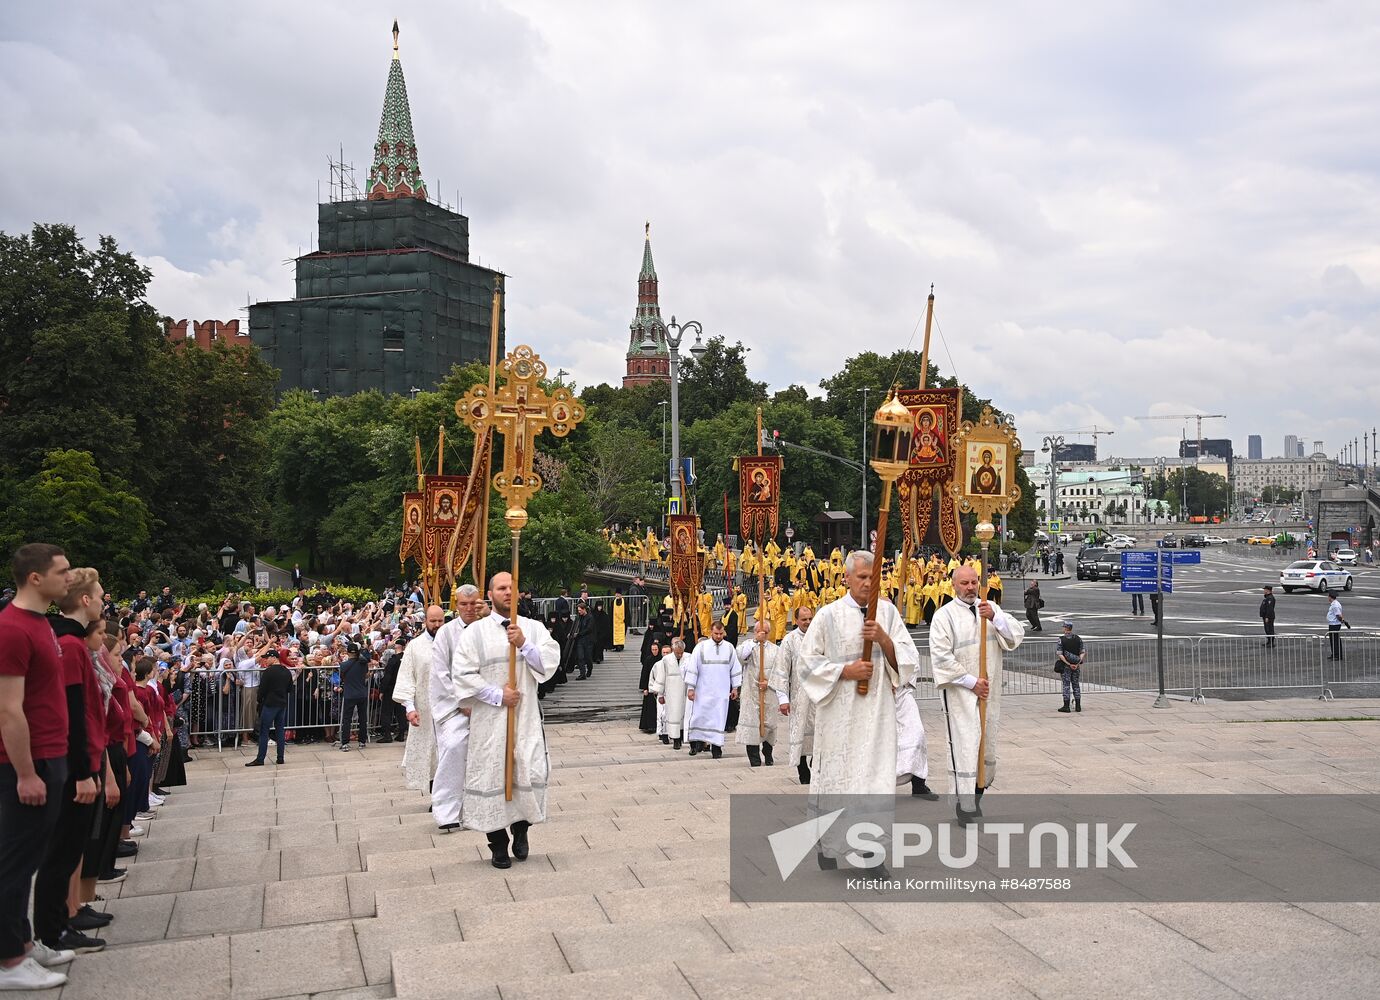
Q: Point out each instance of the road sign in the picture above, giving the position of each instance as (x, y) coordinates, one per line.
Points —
(1137, 586)
(1056, 525)
(261, 580)
(1139, 573)
(1137, 557)
(1191, 557)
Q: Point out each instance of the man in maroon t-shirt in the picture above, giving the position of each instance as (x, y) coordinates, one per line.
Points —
(33, 757)
(80, 606)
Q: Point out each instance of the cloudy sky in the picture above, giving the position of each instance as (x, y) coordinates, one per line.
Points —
(1126, 208)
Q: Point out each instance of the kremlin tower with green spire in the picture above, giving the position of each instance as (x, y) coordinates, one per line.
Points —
(390, 299)
(644, 366)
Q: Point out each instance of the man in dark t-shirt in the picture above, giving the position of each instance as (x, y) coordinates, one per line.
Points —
(354, 694)
(1071, 658)
(33, 758)
(275, 689)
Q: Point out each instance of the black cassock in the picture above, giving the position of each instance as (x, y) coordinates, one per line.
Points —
(647, 721)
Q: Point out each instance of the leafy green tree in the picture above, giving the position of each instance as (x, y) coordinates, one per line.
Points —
(716, 380)
(97, 519)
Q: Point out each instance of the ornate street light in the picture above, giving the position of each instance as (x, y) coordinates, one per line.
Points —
(227, 558)
(674, 332)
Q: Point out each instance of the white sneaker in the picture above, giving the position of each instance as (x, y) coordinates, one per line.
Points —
(48, 957)
(145, 817)
(136, 831)
(155, 800)
(29, 975)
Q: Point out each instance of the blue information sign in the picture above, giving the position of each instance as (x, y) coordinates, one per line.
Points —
(1134, 557)
(1138, 586)
(1186, 557)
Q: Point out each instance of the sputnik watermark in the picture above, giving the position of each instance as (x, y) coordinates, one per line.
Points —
(1044, 845)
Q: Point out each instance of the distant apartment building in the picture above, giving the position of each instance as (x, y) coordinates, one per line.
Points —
(1290, 473)
(1254, 449)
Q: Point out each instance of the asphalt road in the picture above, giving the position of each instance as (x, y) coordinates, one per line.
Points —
(1220, 597)
(1213, 633)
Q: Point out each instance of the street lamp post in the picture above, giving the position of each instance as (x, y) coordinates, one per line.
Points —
(1052, 444)
(863, 540)
(673, 332)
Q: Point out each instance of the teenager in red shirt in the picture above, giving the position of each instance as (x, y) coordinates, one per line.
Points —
(33, 757)
(80, 606)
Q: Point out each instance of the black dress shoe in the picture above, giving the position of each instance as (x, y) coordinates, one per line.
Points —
(803, 770)
(716, 752)
(965, 817)
(89, 911)
(82, 922)
(827, 864)
(666, 740)
(254, 763)
(675, 744)
(766, 755)
(694, 747)
(501, 861)
(385, 739)
(127, 849)
(520, 844)
(918, 787)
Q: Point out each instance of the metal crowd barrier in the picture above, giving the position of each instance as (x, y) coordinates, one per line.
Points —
(217, 717)
(1110, 665)
(1197, 667)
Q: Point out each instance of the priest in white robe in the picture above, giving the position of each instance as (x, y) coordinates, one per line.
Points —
(412, 692)
(757, 729)
(713, 678)
(451, 726)
(954, 646)
(799, 710)
(481, 684)
(668, 684)
(855, 735)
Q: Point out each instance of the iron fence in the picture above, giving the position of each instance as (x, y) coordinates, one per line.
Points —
(222, 706)
(1199, 667)
(634, 607)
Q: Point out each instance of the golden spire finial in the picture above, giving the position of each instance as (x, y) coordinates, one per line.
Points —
(395, 38)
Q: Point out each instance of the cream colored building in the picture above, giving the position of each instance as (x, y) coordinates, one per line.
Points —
(1306, 473)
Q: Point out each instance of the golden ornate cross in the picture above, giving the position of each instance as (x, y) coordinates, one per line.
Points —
(520, 410)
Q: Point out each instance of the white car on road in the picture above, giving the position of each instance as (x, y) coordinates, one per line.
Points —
(1321, 575)
(1344, 557)
(1122, 542)
(1215, 540)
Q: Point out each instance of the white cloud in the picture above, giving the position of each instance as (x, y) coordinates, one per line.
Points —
(1125, 210)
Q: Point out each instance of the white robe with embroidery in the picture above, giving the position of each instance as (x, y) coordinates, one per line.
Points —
(450, 728)
(667, 682)
(413, 688)
(750, 724)
(790, 665)
(954, 649)
(713, 670)
(855, 735)
(480, 665)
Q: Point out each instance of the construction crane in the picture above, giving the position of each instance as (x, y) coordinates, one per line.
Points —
(1199, 417)
(1094, 430)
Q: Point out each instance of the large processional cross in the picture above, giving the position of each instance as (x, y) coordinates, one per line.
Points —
(519, 410)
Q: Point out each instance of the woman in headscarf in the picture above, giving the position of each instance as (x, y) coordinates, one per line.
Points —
(651, 652)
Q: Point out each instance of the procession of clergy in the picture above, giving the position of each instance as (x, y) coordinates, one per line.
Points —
(804, 580)
(454, 686)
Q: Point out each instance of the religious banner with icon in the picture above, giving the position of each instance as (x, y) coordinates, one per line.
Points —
(470, 538)
(412, 526)
(759, 493)
(441, 505)
(687, 565)
(985, 483)
(932, 463)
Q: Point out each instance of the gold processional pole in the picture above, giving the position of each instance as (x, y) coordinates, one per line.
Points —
(984, 483)
(909, 513)
(890, 457)
(520, 410)
(761, 610)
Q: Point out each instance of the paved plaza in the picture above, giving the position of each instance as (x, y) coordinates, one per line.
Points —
(326, 877)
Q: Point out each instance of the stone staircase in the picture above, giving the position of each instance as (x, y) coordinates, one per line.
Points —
(325, 877)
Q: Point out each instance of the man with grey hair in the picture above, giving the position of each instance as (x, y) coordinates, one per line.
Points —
(449, 722)
(955, 649)
(790, 667)
(855, 733)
